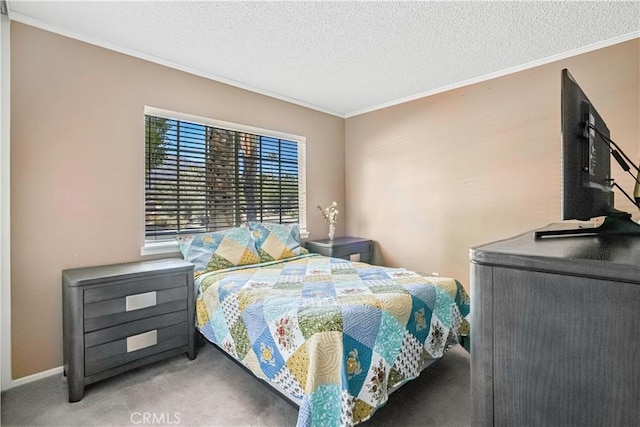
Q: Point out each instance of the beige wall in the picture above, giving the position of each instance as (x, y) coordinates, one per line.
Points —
(426, 179)
(77, 194)
(429, 179)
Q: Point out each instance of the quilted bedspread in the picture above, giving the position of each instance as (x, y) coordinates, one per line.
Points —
(335, 335)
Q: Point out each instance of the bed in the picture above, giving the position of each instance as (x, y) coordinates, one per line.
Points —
(334, 337)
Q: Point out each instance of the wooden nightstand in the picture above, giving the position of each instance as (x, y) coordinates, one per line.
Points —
(120, 317)
(342, 247)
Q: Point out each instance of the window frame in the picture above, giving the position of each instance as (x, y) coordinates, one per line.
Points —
(157, 247)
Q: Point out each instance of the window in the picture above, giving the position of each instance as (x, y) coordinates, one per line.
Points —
(204, 175)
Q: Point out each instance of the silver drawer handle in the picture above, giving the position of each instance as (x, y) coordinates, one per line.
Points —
(140, 341)
(138, 301)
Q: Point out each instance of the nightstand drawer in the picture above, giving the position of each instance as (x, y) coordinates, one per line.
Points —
(128, 349)
(124, 330)
(133, 287)
(345, 251)
(112, 312)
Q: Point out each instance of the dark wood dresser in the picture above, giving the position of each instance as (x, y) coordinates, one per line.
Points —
(120, 317)
(555, 331)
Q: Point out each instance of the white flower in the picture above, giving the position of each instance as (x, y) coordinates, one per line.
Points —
(330, 213)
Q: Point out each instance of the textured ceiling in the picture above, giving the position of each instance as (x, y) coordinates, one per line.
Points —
(341, 57)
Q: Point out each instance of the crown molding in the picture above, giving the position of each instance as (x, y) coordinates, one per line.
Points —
(28, 20)
(501, 73)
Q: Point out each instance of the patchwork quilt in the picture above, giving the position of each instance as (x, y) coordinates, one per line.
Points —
(335, 335)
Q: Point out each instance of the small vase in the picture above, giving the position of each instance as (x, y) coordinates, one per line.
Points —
(332, 231)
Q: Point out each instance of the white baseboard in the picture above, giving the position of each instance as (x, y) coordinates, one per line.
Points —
(35, 377)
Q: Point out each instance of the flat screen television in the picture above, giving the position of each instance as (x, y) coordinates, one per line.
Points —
(586, 165)
(587, 185)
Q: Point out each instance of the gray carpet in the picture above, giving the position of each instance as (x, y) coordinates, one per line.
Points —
(214, 391)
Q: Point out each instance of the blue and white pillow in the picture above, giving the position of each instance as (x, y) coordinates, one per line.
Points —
(276, 241)
(220, 249)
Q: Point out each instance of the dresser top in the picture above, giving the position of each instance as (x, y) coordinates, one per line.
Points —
(87, 275)
(607, 257)
(338, 241)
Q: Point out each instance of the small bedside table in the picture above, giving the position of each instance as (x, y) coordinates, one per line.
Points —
(341, 247)
(120, 317)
